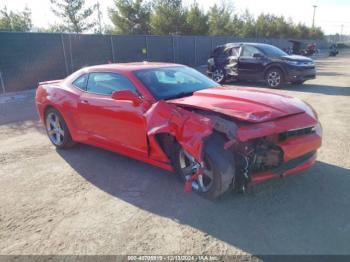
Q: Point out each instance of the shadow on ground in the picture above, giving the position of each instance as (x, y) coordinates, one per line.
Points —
(303, 214)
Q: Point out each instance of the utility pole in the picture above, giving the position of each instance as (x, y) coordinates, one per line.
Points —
(313, 17)
(341, 33)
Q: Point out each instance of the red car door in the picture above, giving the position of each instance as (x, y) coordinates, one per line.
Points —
(114, 122)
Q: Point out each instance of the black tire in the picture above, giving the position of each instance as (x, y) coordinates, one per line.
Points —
(221, 162)
(274, 78)
(219, 75)
(300, 82)
(65, 140)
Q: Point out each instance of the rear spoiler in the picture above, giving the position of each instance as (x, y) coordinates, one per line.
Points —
(50, 82)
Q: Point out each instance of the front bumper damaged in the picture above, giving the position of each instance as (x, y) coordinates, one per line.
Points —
(288, 168)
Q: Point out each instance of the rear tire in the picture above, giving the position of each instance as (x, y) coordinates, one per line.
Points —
(274, 78)
(57, 130)
(219, 174)
(219, 75)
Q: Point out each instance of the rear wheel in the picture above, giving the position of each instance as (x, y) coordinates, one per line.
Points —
(57, 129)
(218, 174)
(274, 78)
(219, 75)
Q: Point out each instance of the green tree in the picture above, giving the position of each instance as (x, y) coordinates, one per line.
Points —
(221, 19)
(245, 25)
(196, 21)
(316, 33)
(55, 28)
(168, 17)
(269, 26)
(74, 14)
(15, 21)
(131, 16)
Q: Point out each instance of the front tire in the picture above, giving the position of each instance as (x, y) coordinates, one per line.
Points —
(219, 169)
(57, 130)
(274, 78)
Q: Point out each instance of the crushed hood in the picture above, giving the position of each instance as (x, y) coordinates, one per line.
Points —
(246, 104)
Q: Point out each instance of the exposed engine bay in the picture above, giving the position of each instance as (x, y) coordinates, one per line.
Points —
(258, 155)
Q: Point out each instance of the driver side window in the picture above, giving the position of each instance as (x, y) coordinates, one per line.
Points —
(106, 83)
(249, 51)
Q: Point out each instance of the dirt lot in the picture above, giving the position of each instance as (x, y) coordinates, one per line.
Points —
(90, 201)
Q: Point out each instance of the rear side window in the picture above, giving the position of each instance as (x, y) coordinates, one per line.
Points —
(249, 51)
(107, 83)
(81, 82)
(235, 51)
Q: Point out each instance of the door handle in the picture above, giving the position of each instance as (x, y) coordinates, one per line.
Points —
(84, 102)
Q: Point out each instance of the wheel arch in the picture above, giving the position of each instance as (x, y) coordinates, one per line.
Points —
(66, 120)
(275, 65)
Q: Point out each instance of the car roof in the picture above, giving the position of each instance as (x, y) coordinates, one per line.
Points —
(230, 45)
(128, 67)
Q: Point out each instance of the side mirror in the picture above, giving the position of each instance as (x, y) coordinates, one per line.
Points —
(126, 95)
(258, 55)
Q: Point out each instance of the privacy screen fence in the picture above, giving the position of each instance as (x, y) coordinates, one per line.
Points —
(28, 58)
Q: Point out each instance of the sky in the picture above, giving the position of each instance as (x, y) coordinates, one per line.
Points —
(330, 14)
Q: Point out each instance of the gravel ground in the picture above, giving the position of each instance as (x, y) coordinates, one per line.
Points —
(90, 201)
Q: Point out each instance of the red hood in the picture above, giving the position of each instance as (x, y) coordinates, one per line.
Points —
(247, 104)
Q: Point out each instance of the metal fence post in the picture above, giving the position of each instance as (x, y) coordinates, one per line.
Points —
(146, 39)
(70, 53)
(195, 50)
(64, 55)
(2, 83)
(173, 48)
(113, 52)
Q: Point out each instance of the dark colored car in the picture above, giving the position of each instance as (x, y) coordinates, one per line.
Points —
(257, 62)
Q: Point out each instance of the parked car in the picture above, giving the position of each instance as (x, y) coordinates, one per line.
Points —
(259, 62)
(333, 50)
(173, 117)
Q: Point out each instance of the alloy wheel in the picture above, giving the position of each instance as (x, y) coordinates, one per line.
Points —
(218, 75)
(274, 78)
(54, 129)
(204, 181)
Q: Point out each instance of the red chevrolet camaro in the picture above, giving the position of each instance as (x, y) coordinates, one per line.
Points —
(174, 117)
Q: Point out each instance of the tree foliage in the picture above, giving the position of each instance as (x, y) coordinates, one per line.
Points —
(221, 20)
(131, 16)
(20, 21)
(75, 16)
(196, 21)
(168, 17)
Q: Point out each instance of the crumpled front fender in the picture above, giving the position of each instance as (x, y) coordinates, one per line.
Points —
(189, 129)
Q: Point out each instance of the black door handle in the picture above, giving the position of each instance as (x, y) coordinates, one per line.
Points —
(84, 101)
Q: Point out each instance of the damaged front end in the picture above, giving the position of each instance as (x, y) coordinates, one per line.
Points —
(260, 151)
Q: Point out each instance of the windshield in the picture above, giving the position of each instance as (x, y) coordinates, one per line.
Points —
(272, 51)
(173, 82)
